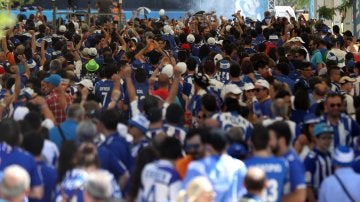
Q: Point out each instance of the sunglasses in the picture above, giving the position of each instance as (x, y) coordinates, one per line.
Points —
(250, 91)
(201, 116)
(259, 89)
(335, 105)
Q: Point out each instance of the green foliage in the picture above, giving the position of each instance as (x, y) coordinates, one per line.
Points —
(326, 13)
(4, 4)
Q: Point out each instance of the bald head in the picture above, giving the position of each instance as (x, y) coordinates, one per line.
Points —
(255, 180)
(15, 183)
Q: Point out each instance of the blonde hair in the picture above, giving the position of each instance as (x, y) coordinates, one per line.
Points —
(194, 189)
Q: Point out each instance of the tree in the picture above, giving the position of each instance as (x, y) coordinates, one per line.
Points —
(297, 4)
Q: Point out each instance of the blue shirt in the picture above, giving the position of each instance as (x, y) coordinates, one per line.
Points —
(285, 79)
(69, 129)
(263, 109)
(120, 148)
(159, 182)
(318, 167)
(225, 173)
(109, 162)
(13, 155)
(49, 175)
(73, 186)
(331, 190)
(296, 178)
(276, 170)
(344, 131)
(103, 90)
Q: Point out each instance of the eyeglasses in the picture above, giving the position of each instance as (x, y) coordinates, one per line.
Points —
(201, 116)
(250, 91)
(335, 105)
(259, 89)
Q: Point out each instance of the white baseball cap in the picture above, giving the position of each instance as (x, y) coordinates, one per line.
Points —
(263, 83)
(228, 27)
(211, 41)
(92, 52)
(230, 88)
(182, 66)
(87, 83)
(190, 38)
(168, 70)
(248, 86)
(217, 58)
(62, 28)
(20, 113)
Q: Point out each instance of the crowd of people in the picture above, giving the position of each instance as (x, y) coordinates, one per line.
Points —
(196, 109)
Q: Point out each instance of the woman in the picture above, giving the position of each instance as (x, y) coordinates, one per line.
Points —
(86, 160)
(306, 140)
(198, 190)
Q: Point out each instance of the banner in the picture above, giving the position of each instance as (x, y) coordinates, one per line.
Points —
(252, 8)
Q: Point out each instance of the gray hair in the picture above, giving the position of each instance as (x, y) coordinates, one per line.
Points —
(16, 181)
(99, 185)
(74, 111)
(86, 131)
(55, 65)
(279, 108)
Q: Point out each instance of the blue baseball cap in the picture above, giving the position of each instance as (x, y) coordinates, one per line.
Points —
(53, 79)
(343, 156)
(311, 118)
(321, 128)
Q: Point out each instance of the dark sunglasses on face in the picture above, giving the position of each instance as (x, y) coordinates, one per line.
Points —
(250, 91)
(258, 89)
(335, 105)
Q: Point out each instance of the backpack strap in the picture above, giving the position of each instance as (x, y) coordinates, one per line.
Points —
(61, 133)
(344, 188)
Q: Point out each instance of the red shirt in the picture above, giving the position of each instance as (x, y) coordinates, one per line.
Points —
(54, 104)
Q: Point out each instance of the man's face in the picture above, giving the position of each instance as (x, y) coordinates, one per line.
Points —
(333, 106)
(347, 87)
(261, 92)
(194, 147)
(45, 88)
(335, 75)
(273, 142)
(323, 141)
(312, 46)
(307, 72)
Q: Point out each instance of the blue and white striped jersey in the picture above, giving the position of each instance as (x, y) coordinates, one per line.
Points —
(344, 132)
(225, 173)
(227, 120)
(159, 182)
(318, 166)
(174, 131)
